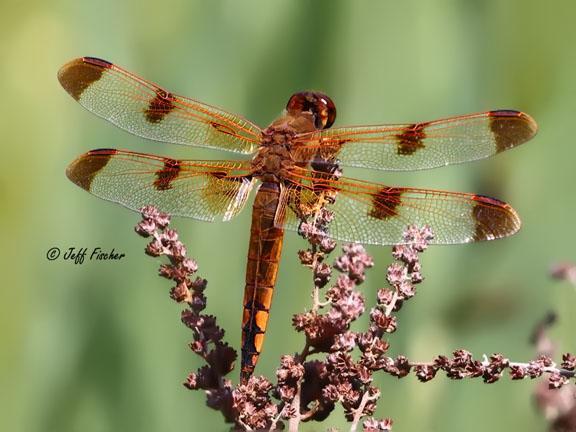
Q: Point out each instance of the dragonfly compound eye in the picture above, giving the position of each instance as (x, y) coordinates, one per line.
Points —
(320, 105)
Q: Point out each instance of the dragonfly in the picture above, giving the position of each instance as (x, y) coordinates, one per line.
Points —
(291, 165)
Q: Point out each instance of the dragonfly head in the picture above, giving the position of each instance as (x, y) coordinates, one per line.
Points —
(320, 105)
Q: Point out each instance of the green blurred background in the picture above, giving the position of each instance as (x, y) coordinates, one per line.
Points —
(99, 346)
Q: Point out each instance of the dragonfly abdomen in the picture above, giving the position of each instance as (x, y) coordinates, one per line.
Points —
(262, 268)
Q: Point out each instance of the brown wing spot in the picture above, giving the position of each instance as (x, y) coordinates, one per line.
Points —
(167, 174)
(83, 170)
(77, 75)
(384, 203)
(494, 218)
(410, 140)
(160, 106)
(511, 128)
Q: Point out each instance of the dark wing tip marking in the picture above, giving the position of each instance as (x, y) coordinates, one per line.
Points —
(83, 170)
(411, 139)
(384, 203)
(77, 75)
(166, 175)
(511, 128)
(494, 218)
(160, 106)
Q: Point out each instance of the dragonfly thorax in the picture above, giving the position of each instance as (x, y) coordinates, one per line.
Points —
(274, 158)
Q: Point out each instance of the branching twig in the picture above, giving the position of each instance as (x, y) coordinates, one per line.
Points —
(309, 389)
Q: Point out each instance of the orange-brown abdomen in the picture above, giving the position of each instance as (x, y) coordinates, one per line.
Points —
(261, 271)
